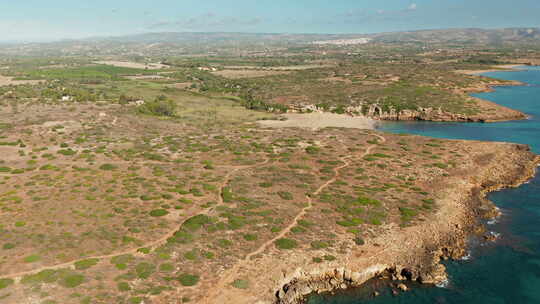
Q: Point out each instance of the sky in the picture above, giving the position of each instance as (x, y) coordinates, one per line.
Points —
(39, 20)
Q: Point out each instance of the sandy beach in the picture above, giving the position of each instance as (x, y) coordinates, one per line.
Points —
(320, 120)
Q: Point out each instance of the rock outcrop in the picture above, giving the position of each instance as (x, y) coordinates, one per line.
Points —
(489, 112)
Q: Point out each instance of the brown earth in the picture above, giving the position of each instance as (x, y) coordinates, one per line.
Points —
(253, 187)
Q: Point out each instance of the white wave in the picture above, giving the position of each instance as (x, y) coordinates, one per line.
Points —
(495, 234)
(443, 284)
(467, 257)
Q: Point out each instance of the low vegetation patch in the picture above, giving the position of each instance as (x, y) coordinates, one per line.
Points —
(286, 244)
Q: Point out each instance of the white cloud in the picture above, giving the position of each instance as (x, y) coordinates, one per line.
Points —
(413, 7)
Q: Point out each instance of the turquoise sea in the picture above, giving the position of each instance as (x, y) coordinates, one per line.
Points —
(507, 271)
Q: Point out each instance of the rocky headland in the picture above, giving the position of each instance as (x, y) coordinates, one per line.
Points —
(480, 110)
(403, 253)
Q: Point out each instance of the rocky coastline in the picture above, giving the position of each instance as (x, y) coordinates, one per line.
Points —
(489, 111)
(423, 263)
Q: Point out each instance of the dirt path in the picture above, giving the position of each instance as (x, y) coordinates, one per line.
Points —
(226, 279)
(152, 244)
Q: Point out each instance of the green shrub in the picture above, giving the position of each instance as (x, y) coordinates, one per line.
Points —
(166, 267)
(188, 279)
(196, 222)
(5, 169)
(144, 250)
(158, 107)
(224, 243)
(359, 241)
(191, 255)
(365, 201)
(298, 229)
(407, 212)
(181, 237)
(158, 212)
(348, 223)
(441, 165)
(44, 276)
(123, 286)
(250, 237)
(305, 223)
(72, 280)
(285, 195)
(108, 167)
(85, 264)
(8, 246)
(240, 284)
(67, 152)
(329, 257)
(122, 259)
(135, 300)
(49, 167)
(227, 195)
(286, 244)
(5, 283)
(313, 150)
(32, 258)
(319, 244)
(145, 270)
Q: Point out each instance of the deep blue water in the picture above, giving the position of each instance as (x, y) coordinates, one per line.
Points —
(507, 271)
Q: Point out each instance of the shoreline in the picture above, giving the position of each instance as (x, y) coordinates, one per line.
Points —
(429, 270)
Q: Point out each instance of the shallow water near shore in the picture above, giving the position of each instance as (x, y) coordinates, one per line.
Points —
(507, 271)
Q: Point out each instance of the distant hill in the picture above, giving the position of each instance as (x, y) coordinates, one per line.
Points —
(227, 38)
(464, 36)
(174, 43)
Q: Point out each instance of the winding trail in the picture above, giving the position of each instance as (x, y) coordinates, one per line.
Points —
(226, 279)
(154, 244)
